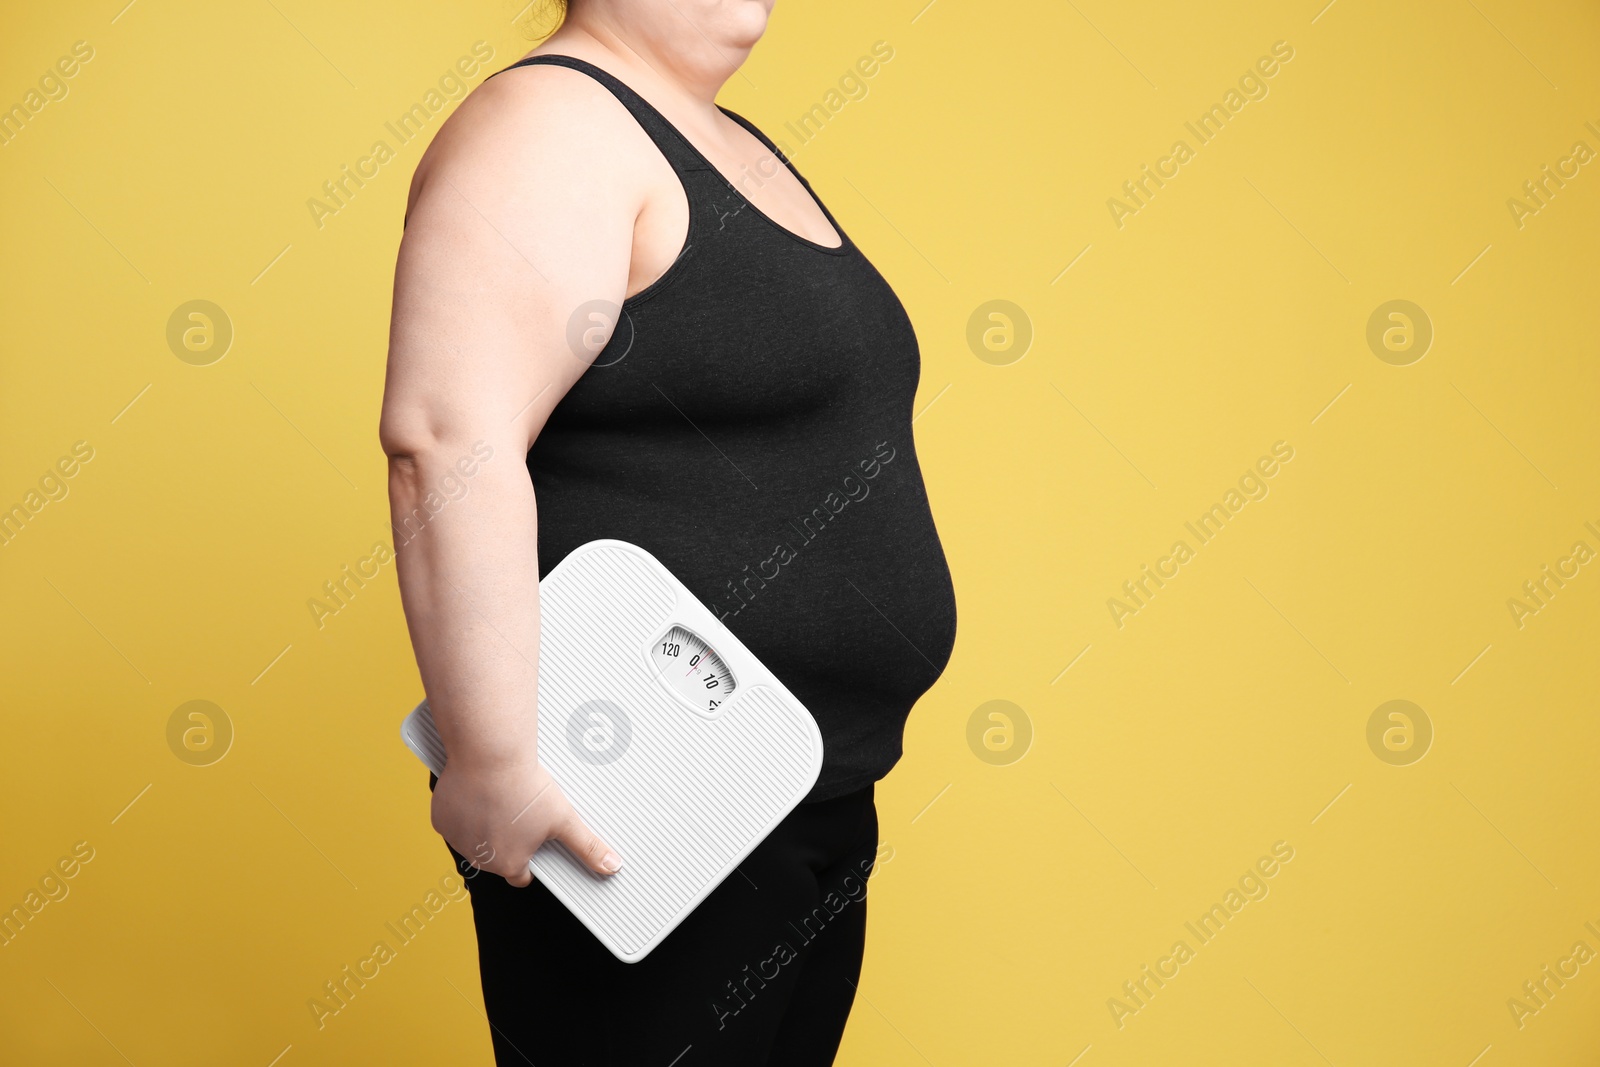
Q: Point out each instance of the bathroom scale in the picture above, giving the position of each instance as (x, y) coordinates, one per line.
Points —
(668, 735)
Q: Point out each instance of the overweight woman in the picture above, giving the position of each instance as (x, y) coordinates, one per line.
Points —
(625, 312)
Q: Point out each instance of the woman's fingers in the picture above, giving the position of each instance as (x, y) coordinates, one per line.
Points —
(520, 878)
(488, 860)
(585, 844)
(493, 808)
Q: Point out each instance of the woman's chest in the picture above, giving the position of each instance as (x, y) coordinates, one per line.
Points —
(733, 336)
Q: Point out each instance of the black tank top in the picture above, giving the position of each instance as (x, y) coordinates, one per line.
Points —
(749, 424)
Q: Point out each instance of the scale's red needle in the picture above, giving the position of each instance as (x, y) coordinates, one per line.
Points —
(696, 667)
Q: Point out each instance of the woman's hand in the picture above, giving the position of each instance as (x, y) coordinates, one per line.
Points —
(497, 817)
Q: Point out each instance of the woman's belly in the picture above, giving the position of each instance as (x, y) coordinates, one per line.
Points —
(833, 575)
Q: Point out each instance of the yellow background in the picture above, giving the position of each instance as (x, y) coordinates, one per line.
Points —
(1230, 713)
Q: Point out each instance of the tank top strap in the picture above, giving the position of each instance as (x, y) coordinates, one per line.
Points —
(673, 145)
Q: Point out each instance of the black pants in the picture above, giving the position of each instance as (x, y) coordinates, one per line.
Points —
(763, 971)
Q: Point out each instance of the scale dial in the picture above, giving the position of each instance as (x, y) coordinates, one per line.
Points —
(692, 668)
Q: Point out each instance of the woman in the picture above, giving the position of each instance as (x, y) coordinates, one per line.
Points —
(606, 273)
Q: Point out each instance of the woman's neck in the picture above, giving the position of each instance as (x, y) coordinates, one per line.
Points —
(689, 49)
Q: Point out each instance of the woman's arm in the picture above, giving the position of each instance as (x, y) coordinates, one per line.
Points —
(521, 211)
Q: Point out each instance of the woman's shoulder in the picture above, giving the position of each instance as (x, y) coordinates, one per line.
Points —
(539, 122)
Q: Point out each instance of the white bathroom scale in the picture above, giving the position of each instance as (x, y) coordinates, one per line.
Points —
(670, 738)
